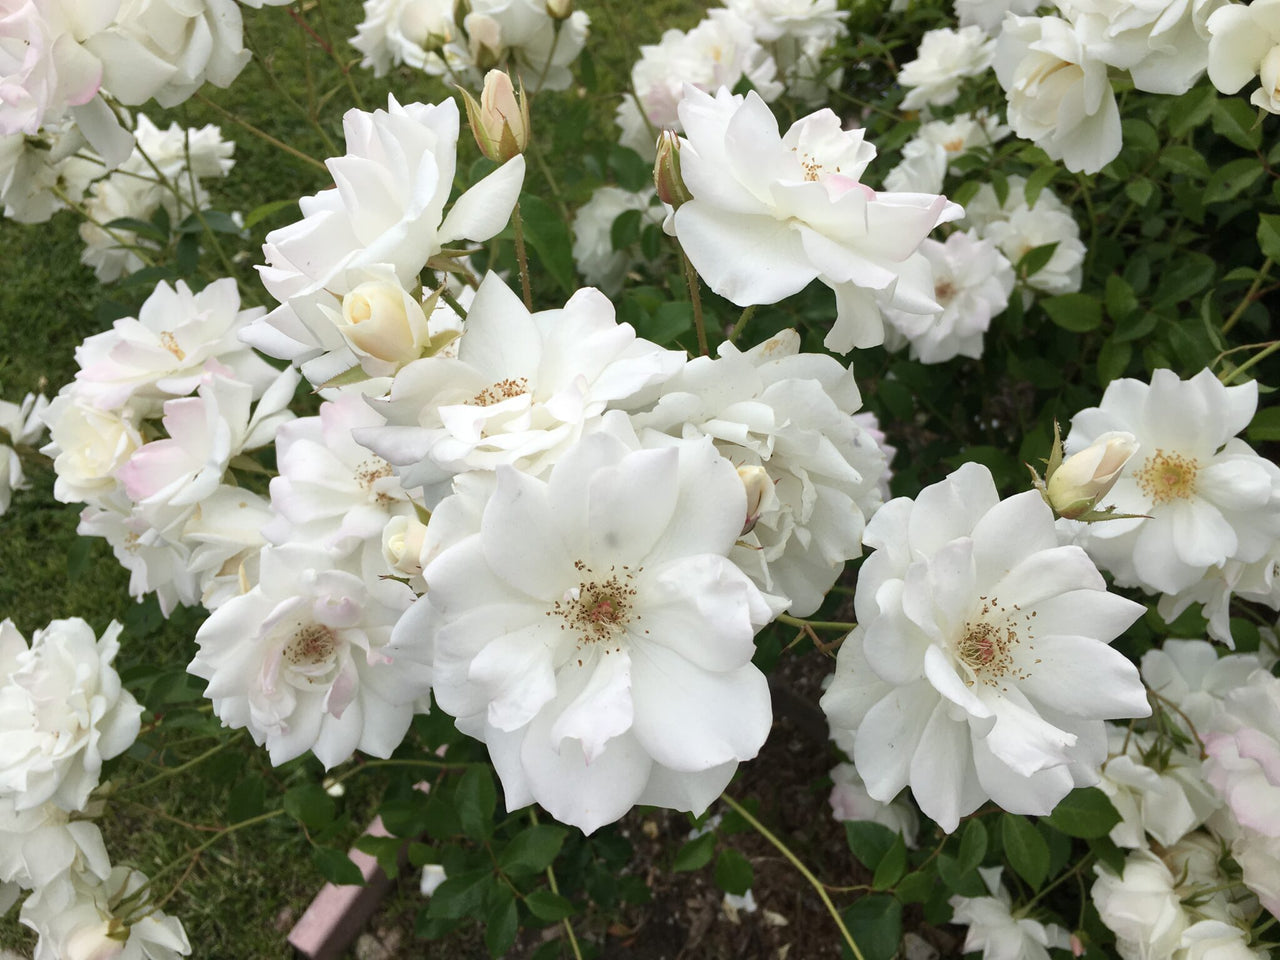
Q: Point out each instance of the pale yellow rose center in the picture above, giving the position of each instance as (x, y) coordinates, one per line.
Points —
(1166, 477)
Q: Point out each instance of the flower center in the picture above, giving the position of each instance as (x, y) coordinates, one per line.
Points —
(986, 649)
(944, 291)
(170, 343)
(502, 390)
(1166, 477)
(311, 646)
(600, 608)
(954, 146)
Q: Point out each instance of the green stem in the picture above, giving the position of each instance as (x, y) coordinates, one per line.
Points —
(333, 52)
(261, 134)
(431, 764)
(517, 223)
(1248, 297)
(141, 252)
(741, 324)
(225, 831)
(816, 624)
(550, 178)
(1251, 362)
(194, 761)
(555, 888)
(695, 296)
(453, 303)
(804, 871)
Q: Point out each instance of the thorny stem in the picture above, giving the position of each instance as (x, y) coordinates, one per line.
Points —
(261, 134)
(1257, 358)
(433, 764)
(1248, 298)
(796, 862)
(818, 624)
(695, 296)
(555, 888)
(517, 223)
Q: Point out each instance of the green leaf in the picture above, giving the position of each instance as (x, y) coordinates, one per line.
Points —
(1108, 853)
(548, 235)
(261, 212)
(214, 220)
(545, 905)
(475, 800)
(532, 850)
(1139, 190)
(1234, 119)
(916, 887)
(310, 806)
(669, 321)
(891, 867)
(1038, 180)
(1025, 849)
(1113, 360)
(247, 799)
(1085, 813)
(1231, 178)
(733, 872)
(502, 921)
(142, 228)
(1137, 326)
(973, 846)
(626, 229)
(695, 854)
(1184, 278)
(1265, 425)
(1269, 235)
(336, 867)
(1186, 161)
(1077, 312)
(461, 896)
(1035, 259)
(385, 849)
(1120, 299)
(1191, 109)
(875, 922)
(869, 841)
(78, 557)
(632, 171)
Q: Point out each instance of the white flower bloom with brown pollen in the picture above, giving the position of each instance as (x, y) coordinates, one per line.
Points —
(1208, 496)
(980, 667)
(592, 631)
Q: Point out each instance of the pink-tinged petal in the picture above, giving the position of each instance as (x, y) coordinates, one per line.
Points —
(889, 736)
(485, 208)
(746, 259)
(690, 719)
(1255, 745)
(942, 774)
(1035, 795)
(523, 542)
(603, 708)
(153, 467)
(584, 795)
(630, 506)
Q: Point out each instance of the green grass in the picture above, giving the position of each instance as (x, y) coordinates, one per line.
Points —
(240, 896)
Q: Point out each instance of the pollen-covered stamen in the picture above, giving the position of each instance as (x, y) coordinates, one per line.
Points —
(310, 647)
(502, 390)
(601, 608)
(170, 343)
(944, 291)
(369, 472)
(1166, 477)
(988, 647)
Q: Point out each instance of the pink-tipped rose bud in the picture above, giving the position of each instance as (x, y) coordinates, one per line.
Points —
(500, 121)
(1084, 478)
(666, 171)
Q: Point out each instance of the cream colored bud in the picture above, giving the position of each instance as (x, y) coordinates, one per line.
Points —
(666, 171)
(484, 40)
(759, 487)
(402, 540)
(93, 943)
(382, 321)
(559, 9)
(423, 24)
(1084, 478)
(500, 121)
